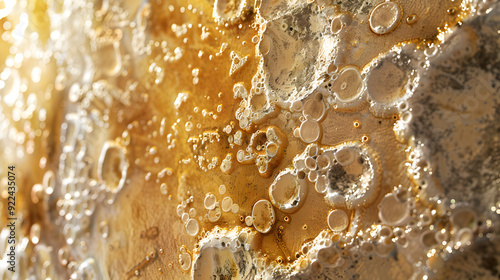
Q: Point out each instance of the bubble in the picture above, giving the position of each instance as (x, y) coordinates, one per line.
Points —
(231, 12)
(185, 217)
(185, 261)
(263, 216)
(271, 149)
(465, 236)
(215, 213)
(356, 184)
(310, 163)
(226, 204)
(287, 193)
(316, 267)
(87, 270)
(385, 232)
(427, 239)
(348, 86)
(321, 184)
(345, 156)
(60, 82)
(36, 74)
(164, 189)
(384, 248)
(112, 166)
(385, 17)
(328, 256)
(210, 201)
(248, 221)
(464, 218)
(338, 220)
(192, 227)
(192, 212)
(222, 189)
(235, 208)
(367, 248)
(386, 83)
(313, 109)
(336, 25)
(392, 211)
(323, 162)
(411, 19)
(224, 255)
(309, 131)
(265, 45)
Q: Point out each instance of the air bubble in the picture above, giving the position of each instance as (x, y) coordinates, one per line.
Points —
(428, 239)
(192, 227)
(112, 166)
(338, 220)
(248, 221)
(345, 156)
(215, 213)
(226, 204)
(393, 212)
(356, 183)
(392, 89)
(185, 261)
(210, 201)
(336, 25)
(222, 189)
(385, 17)
(321, 184)
(164, 189)
(464, 218)
(348, 87)
(313, 109)
(328, 256)
(309, 131)
(287, 193)
(263, 216)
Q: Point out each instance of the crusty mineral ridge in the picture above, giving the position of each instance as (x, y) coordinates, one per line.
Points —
(233, 139)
